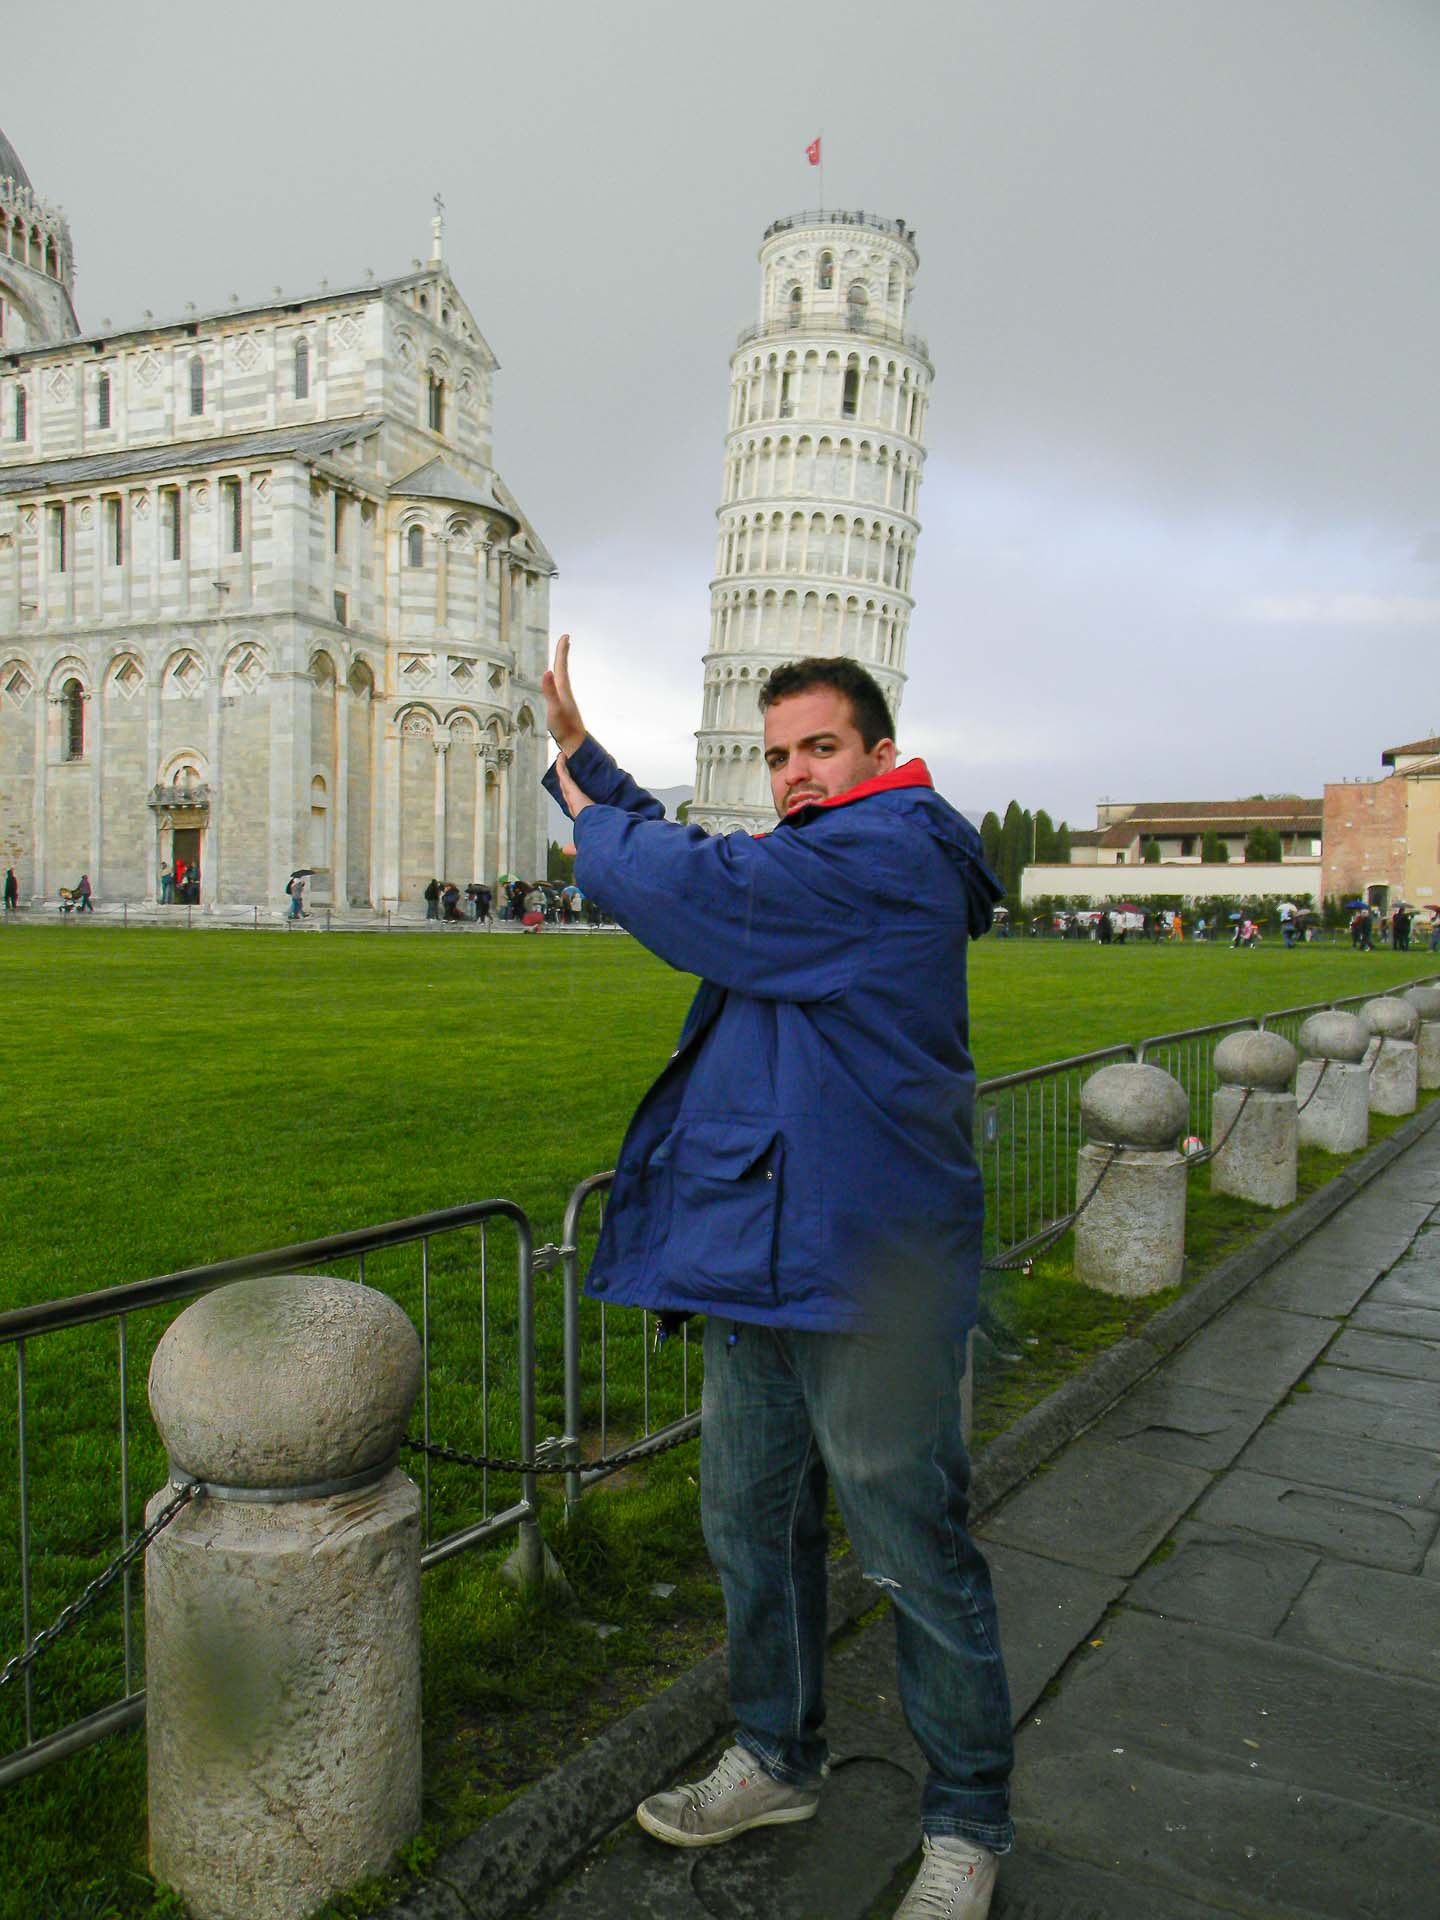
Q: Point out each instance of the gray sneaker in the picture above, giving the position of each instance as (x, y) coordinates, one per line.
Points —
(955, 1881)
(738, 1795)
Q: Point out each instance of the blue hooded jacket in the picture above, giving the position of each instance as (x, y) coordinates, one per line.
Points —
(804, 1159)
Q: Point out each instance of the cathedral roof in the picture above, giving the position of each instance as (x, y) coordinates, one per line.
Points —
(438, 480)
(304, 442)
(10, 167)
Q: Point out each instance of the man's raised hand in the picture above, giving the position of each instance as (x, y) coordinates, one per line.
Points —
(562, 715)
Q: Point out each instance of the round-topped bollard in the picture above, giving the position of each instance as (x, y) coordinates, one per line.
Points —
(1130, 1181)
(282, 1616)
(1392, 1057)
(1254, 1119)
(1332, 1086)
(1426, 1002)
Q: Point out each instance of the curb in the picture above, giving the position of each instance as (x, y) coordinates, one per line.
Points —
(509, 1862)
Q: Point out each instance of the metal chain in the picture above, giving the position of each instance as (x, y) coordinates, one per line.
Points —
(1209, 1153)
(1021, 1262)
(546, 1461)
(77, 1609)
(1324, 1069)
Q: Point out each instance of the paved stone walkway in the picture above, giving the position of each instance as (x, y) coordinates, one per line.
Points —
(1221, 1610)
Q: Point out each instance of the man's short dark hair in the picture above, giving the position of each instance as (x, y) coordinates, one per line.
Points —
(870, 708)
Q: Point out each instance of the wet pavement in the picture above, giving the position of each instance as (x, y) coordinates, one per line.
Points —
(1221, 1612)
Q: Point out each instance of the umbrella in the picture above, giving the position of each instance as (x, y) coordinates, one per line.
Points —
(301, 873)
(1237, 916)
(1357, 903)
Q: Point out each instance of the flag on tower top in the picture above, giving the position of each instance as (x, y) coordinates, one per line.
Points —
(812, 152)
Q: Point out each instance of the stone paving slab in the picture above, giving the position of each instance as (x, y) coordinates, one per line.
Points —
(1380, 1353)
(1220, 1578)
(1171, 1421)
(1386, 1389)
(1375, 1619)
(1315, 1289)
(1406, 1475)
(1342, 1240)
(1371, 1531)
(1409, 1182)
(1409, 1285)
(1044, 1886)
(1311, 1254)
(1359, 1420)
(1099, 1507)
(1254, 1351)
(1210, 1701)
(1046, 1610)
(1393, 1316)
(1386, 1213)
(1235, 1844)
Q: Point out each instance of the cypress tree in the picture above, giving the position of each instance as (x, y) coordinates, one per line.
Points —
(990, 842)
(1045, 837)
(1013, 849)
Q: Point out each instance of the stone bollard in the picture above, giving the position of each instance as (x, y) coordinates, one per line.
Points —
(282, 1607)
(1130, 1239)
(1392, 1056)
(1254, 1115)
(1332, 1087)
(1426, 1002)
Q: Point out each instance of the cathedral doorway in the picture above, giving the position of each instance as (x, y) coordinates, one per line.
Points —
(185, 860)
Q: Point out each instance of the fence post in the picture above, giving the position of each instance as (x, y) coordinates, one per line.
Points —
(1426, 1002)
(282, 1623)
(1392, 1057)
(1130, 1181)
(1332, 1087)
(1254, 1114)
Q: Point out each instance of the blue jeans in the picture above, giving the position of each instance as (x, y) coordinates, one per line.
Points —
(785, 1412)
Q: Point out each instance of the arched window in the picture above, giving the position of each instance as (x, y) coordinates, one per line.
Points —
(197, 385)
(72, 720)
(415, 547)
(302, 369)
(102, 400)
(22, 414)
(859, 303)
(437, 404)
(797, 300)
(826, 277)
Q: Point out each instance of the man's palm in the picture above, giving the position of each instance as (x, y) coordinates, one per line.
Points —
(562, 715)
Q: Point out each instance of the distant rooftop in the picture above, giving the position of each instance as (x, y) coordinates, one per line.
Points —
(1424, 748)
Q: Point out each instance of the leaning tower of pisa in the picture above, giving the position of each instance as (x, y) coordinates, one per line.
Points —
(823, 456)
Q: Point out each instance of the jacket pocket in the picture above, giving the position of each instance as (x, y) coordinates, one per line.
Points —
(725, 1203)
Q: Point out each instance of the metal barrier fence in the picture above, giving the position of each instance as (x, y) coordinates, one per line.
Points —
(1027, 1131)
(499, 1334)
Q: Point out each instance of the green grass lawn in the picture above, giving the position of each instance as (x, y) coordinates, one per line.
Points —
(174, 1098)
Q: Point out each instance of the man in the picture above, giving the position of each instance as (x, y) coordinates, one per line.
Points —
(801, 1173)
(12, 891)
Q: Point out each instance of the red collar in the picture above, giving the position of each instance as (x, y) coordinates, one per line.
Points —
(914, 773)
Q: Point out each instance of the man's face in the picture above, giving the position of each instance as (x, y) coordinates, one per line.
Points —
(814, 751)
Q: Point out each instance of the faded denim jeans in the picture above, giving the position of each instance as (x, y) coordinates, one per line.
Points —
(879, 1418)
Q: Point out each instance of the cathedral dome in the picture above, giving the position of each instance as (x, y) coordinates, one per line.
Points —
(10, 167)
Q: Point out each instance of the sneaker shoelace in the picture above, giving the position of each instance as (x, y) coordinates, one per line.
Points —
(935, 1891)
(725, 1779)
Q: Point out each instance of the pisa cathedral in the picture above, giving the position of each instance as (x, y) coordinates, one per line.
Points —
(823, 458)
(265, 602)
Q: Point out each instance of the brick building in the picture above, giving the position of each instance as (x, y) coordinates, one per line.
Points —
(1382, 837)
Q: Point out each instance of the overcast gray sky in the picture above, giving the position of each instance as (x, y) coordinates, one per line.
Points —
(1178, 274)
